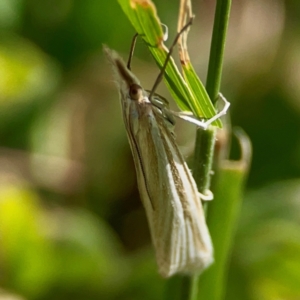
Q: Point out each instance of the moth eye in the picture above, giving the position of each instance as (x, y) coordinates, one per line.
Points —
(135, 92)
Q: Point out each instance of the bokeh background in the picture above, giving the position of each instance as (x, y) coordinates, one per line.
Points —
(71, 223)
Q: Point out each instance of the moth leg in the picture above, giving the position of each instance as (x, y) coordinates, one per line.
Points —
(188, 116)
(221, 113)
(158, 103)
(208, 196)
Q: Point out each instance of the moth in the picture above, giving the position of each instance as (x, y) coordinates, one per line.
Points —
(167, 188)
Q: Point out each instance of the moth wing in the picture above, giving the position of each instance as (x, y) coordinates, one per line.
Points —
(169, 193)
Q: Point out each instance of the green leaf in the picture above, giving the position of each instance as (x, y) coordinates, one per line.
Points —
(188, 91)
(222, 216)
(199, 91)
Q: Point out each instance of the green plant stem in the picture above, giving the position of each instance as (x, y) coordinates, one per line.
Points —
(203, 157)
(205, 140)
(214, 73)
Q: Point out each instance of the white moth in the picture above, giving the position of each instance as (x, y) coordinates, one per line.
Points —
(167, 188)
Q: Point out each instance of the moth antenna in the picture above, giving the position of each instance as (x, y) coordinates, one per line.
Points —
(162, 71)
(131, 51)
(133, 43)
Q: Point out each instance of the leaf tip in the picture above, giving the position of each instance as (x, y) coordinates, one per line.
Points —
(143, 3)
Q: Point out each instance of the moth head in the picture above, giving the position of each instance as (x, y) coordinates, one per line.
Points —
(136, 92)
(124, 77)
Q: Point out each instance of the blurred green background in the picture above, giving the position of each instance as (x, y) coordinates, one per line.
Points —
(71, 223)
